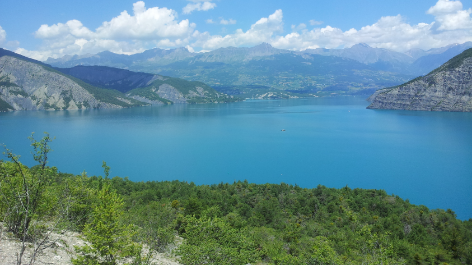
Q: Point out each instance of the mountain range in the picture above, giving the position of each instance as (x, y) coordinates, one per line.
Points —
(359, 69)
(447, 88)
(27, 84)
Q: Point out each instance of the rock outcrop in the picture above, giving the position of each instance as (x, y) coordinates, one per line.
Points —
(28, 85)
(448, 88)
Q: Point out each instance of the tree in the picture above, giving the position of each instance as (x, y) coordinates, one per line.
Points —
(323, 253)
(27, 198)
(110, 241)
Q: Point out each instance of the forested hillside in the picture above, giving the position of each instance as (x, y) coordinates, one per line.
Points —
(224, 223)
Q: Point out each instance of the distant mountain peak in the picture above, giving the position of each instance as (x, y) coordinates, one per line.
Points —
(361, 45)
(264, 44)
(106, 52)
(264, 49)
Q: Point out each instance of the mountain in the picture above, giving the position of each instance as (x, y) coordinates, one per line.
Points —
(436, 57)
(148, 88)
(150, 57)
(26, 84)
(447, 88)
(379, 58)
(290, 72)
(365, 54)
(255, 71)
(297, 73)
(236, 55)
(109, 77)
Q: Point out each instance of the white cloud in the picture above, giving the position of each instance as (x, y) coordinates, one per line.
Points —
(72, 27)
(445, 7)
(209, 21)
(145, 24)
(199, 6)
(3, 35)
(450, 15)
(389, 32)
(262, 31)
(122, 34)
(159, 27)
(190, 49)
(302, 26)
(452, 25)
(315, 23)
(227, 22)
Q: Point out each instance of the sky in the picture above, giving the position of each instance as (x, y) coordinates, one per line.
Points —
(53, 28)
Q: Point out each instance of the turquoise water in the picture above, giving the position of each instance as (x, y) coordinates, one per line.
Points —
(425, 157)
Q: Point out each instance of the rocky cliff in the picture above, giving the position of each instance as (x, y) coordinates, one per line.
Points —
(27, 85)
(448, 88)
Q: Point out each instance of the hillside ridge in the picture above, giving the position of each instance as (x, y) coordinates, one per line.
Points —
(447, 88)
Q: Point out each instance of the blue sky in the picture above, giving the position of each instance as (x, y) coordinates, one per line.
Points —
(42, 29)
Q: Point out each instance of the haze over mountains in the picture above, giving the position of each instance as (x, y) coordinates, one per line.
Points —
(116, 80)
(26, 84)
(359, 69)
(425, 60)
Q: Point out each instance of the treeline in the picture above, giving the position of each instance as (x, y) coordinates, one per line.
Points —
(224, 223)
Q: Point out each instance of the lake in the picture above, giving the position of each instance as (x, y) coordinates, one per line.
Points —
(425, 157)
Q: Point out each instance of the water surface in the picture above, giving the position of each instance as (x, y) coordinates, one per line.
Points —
(425, 157)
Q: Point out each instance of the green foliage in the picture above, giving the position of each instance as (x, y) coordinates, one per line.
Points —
(31, 204)
(110, 241)
(323, 253)
(213, 241)
(25, 194)
(155, 221)
(288, 224)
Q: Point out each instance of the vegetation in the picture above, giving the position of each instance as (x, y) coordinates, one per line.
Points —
(282, 72)
(5, 81)
(455, 61)
(4, 106)
(146, 92)
(184, 87)
(12, 88)
(237, 223)
(449, 65)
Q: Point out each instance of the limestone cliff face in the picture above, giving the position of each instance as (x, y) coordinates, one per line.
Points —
(448, 88)
(26, 85)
